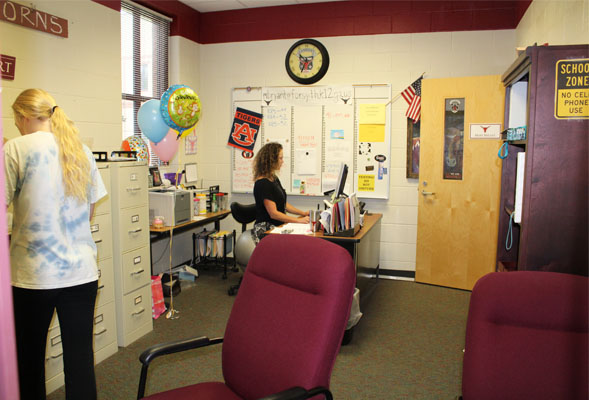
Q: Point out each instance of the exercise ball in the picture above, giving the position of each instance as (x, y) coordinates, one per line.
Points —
(244, 247)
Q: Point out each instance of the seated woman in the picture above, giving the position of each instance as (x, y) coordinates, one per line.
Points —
(271, 204)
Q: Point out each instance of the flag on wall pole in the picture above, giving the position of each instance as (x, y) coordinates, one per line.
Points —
(412, 96)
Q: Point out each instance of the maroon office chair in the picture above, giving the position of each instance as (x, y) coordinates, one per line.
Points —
(285, 328)
(526, 337)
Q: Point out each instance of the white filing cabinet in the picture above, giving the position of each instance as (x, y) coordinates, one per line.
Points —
(105, 338)
(131, 256)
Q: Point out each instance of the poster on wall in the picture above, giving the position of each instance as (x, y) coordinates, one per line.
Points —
(244, 129)
(453, 138)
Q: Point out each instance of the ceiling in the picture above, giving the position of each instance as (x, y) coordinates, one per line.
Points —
(205, 6)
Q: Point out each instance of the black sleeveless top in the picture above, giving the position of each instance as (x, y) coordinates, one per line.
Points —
(266, 189)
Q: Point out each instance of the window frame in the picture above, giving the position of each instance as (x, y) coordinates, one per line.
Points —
(159, 64)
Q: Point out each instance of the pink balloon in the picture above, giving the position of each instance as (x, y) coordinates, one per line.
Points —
(167, 147)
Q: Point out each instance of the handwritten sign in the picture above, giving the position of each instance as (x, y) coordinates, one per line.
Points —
(32, 18)
(572, 89)
(7, 66)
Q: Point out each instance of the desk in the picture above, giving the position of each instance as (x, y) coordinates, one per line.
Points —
(213, 217)
(364, 247)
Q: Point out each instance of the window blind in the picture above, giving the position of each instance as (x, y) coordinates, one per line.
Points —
(144, 64)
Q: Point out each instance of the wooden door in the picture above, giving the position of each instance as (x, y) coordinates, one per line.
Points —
(458, 218)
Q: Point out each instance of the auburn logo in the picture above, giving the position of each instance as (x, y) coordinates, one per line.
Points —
(243, 134)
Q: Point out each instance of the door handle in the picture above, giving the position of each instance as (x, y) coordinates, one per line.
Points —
(423, 192)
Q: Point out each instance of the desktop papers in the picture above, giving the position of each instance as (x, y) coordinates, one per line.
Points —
(294, 228)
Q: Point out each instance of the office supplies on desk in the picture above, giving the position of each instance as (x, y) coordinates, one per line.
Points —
(343, 218)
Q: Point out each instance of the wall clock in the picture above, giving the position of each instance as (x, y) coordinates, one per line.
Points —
(307, 61)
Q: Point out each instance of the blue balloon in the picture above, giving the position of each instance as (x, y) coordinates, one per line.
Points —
(151, 122)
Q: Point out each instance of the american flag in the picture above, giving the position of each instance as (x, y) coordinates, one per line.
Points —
(412, 96)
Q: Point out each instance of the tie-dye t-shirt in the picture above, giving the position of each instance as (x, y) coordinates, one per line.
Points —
(51, 245)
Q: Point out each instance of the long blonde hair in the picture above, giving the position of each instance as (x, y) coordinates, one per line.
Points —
(75, 166)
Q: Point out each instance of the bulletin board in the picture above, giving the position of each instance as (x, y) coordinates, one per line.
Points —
(320, 127)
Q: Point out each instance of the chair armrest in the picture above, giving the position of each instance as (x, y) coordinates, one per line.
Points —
(299, 393)
(169, 348)
(176, 346)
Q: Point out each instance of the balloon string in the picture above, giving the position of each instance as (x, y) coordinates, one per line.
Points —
(178, 171)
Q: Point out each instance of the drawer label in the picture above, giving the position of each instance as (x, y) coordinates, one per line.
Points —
(99, 273)
(98, 319)
(135, 218)
(94, 228)
(133, 177)
(137, 260)
(138, 299)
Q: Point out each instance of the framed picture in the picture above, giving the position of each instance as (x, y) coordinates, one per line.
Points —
(413, 138)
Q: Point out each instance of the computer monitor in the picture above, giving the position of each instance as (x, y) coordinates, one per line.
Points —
(341, 182)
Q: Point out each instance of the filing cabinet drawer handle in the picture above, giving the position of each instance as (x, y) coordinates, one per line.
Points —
(100, 332)
(133, 189)
(54, 357)
(138, 312)
(98, 241)
(100, 287)
(140, 271)
(135, 230)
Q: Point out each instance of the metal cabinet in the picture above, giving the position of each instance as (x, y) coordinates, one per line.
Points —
(131, 257)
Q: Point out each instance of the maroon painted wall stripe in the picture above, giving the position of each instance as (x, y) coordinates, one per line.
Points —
(346, 18)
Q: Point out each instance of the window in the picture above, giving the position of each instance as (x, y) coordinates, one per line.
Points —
(144, 64)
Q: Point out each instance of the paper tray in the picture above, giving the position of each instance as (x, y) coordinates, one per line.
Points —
(347, 233)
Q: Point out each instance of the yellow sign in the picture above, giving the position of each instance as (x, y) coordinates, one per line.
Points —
(371, 133)
(572, 89)
(366, 183)
(373, 114)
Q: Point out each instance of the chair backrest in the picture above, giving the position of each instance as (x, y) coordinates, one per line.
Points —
(288, 319)
(243, 213)
(526, 337)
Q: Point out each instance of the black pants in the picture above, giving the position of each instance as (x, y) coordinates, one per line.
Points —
(33, 310)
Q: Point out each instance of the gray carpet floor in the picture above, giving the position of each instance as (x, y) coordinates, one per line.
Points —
(408, 344)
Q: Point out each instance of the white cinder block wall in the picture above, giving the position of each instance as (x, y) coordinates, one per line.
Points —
(394, 59)
(82, 72)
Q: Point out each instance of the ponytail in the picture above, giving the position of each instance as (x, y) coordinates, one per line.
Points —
(36, 103)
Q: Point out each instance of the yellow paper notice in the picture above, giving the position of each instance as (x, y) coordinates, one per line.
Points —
(371, 133)
(366, 183)
(372, 114)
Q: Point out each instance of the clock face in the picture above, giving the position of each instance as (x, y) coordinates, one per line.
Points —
(307, 61)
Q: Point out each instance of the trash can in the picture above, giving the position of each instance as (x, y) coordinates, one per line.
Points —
(354, 318)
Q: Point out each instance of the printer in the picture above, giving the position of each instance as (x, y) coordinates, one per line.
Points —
(173, 205)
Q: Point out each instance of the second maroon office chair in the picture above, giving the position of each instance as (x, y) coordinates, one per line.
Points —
(526, 337)
(285, 328)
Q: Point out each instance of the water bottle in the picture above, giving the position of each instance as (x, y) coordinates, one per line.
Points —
(196, 206)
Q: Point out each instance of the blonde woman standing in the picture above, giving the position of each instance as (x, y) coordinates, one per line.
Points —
(53, 183)
(271, 204)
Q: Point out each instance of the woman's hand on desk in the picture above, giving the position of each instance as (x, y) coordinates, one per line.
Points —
(303, 220)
